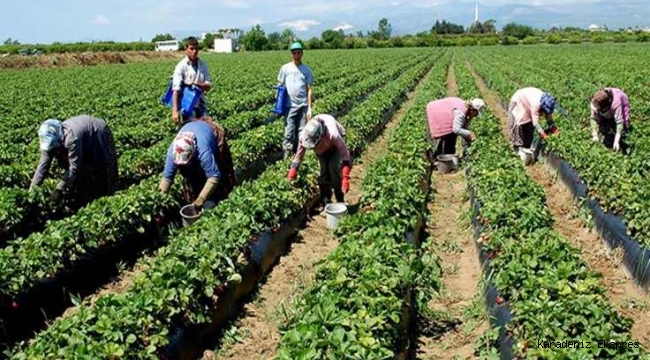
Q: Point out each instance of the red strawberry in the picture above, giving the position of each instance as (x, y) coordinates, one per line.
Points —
(15, 305)
(499, 300)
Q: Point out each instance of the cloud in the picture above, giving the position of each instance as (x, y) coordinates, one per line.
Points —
(100, 20)
(237, 4)
(300, 25)
(343, 26)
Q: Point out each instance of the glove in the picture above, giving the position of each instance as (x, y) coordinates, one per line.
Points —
(56, 195)
(472, 136)
(554, 129)
(293, 172)
(594, 137)
(543, 135)
(164, 186)
(309, 113)
(345, 181)
(617, 142)
(209, 188)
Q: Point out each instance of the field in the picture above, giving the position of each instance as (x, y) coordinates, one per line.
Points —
(482, 263)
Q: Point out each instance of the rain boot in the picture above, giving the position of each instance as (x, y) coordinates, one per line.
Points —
(340, 197)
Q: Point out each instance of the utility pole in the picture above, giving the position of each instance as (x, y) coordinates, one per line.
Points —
(476, 13)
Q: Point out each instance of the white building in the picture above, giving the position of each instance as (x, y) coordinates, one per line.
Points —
(168, 45)
(594, 28)
(224, 45)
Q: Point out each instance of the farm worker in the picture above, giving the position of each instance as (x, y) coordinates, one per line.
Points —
(297, 78)
(190, 71)
(84, 146)
(526, 106)
(610, 116)
(326, 136)
(194, 153)
(449, 118)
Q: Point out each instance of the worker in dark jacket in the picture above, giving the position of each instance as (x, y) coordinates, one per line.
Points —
(84, 146)
(194, 153)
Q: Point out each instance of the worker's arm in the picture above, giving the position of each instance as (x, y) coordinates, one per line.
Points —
(177, 83)
(168, 172)
(75, 151)
(212, 173)
(206, 85)
(41, 170)
(459, 121)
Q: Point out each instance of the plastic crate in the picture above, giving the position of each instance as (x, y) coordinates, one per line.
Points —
(189, 97)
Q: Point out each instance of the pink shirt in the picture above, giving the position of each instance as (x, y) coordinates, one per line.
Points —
(525, 105)
(333, 137)
(619, 111)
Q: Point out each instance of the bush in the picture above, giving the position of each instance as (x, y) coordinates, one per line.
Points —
(598, 39)
(467, 41)
(643, 37)
(488, 41)
(621, 38)
(575, 39)
(554, 39)
(509, 40)
(531, 40)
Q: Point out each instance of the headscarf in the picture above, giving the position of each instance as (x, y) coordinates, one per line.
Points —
(50, 134)
(184, 146)
(548, 103)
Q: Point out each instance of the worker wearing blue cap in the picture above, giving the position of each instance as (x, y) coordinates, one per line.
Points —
(297, 78)
(84, 146)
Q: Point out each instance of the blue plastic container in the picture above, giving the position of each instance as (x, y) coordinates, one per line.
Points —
(282, 101)
(190, 96)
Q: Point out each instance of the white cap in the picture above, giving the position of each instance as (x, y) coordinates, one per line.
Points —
(477, 104)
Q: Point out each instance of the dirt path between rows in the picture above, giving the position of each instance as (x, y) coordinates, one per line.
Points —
(629, 301)
(257, 331)
(450, 233)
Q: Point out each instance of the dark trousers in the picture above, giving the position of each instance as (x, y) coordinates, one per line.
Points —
(445, 145)
(330, 175)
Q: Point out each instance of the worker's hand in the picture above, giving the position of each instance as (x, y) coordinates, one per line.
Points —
(198, 204)
(617, 146)
(472, 136)
(176, 116)
(345, 185)
(309, 113)
(56, 195)
(594, 137)
(554, 129)
(293, 173)
(345, 181)
(543, 135)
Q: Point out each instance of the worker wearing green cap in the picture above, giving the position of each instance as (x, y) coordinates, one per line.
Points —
(297, 78)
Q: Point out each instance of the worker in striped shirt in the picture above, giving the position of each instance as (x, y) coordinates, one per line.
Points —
(610, 116)
(326, 136)
(449, 118)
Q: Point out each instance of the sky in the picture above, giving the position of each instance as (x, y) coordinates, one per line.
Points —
(46, 21)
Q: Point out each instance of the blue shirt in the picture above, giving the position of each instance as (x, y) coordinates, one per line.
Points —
(204, 156)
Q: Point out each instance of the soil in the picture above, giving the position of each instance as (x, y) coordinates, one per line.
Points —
(258, 326)
(450, 235)
(620, 291)
(84, 59)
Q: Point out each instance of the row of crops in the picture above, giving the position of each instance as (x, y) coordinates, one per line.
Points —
(541, 287)
(180, 286)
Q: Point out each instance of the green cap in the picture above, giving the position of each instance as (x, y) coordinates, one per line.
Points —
(296, 46)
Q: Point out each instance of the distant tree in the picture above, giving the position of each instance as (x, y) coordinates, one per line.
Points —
(488, 26)
(509, 40)
(274, 40)
(286, 39)
(315, 43)
(162, 37)
(517, 30)
(554, 39)
(333, 39)
(359, 34)
(208, 41)
(384, 30)
(255, 39)
(643, 37)
(445, 27)
(476, 28)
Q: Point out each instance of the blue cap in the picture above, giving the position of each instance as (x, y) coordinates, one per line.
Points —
(548, 103)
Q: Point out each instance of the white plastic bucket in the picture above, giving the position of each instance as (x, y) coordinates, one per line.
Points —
(527, 156)
(447, 163)
(334, 212)
(189, 214)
